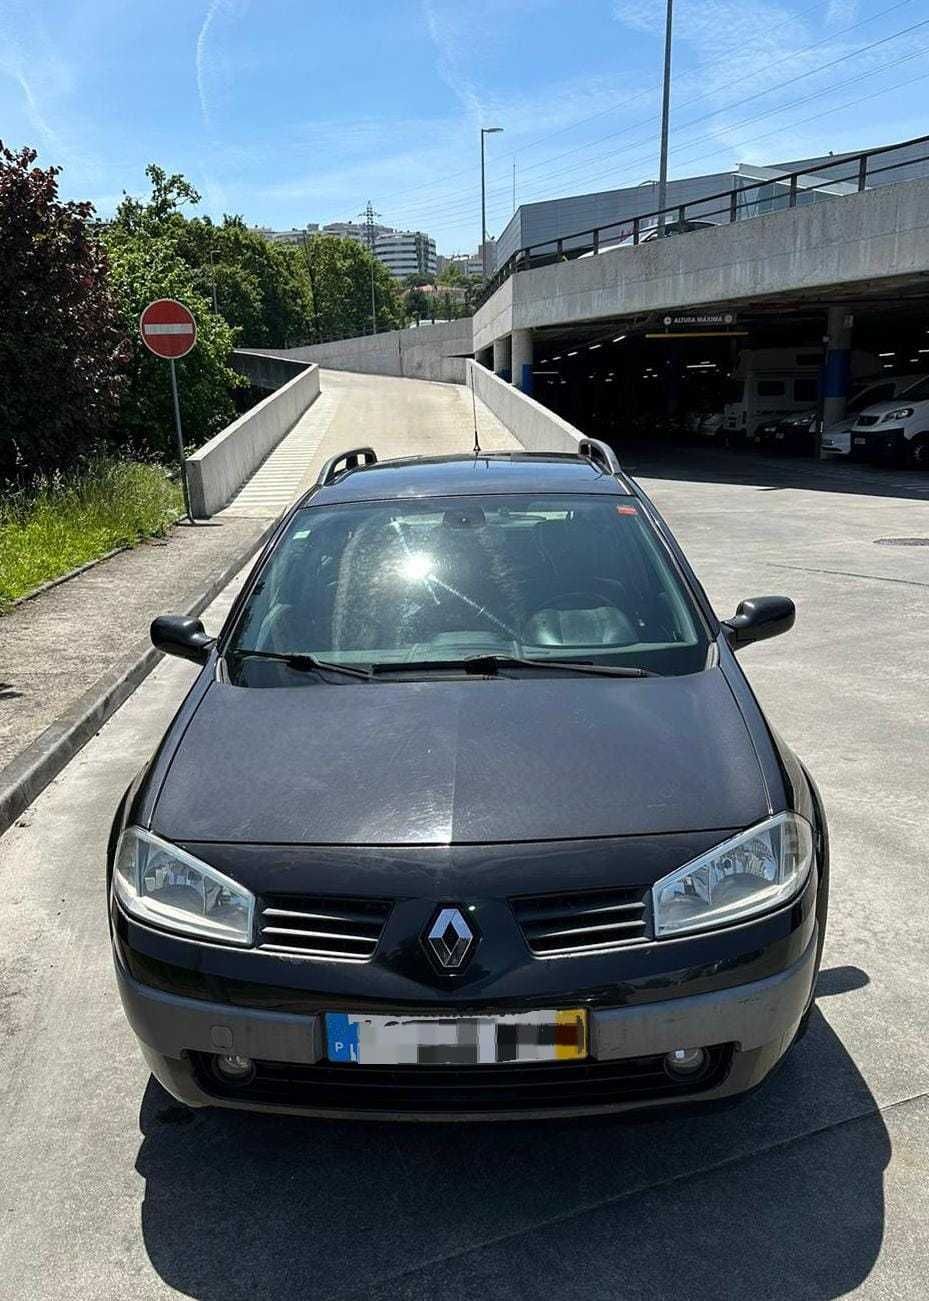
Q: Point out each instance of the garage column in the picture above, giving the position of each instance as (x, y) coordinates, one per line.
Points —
(837, 368)
(502, 357)
(521, 352)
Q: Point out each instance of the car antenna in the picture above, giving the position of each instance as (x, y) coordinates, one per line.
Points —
(477, 444)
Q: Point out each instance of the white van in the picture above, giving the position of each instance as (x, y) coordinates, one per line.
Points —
(837, 438)
(897, 428)
(769, 384)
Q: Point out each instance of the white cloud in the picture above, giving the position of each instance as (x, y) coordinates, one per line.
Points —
(841, 12)
(212, 65)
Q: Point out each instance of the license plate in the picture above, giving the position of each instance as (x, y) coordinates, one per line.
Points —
(779, 434)
(860, 442)
(374, 1040)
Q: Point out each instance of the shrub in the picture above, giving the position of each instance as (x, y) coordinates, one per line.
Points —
(64, 521)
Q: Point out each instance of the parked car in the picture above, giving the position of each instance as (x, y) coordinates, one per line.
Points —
(837, 438)
(897, 429)
(470, 813)
(792, 435)
(647, 234)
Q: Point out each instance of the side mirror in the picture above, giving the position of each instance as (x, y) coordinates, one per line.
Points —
(758, 618)
(176, 634)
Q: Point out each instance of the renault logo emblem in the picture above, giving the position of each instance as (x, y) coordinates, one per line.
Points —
(450, 939)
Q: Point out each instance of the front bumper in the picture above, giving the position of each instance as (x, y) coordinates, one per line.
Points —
(750, 1026)
(878, 444)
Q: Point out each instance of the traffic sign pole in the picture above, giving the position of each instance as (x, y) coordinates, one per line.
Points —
(168, 329)
(180, 442)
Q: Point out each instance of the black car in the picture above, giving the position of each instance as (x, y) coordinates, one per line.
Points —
(791, 435)
(469, 813)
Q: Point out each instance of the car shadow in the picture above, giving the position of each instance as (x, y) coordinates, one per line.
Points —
(779, 1195)
(694, 464)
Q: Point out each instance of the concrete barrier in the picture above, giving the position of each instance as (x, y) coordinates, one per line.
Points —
(221, 466)
(266, 369)
(531, 424)
(436, 352)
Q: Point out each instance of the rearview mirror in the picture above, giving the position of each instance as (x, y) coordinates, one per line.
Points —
(758, 618)
(177, 634)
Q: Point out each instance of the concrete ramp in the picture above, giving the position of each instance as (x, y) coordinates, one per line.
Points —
(397, 417)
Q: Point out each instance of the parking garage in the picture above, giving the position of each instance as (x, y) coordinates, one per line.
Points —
(725, 375)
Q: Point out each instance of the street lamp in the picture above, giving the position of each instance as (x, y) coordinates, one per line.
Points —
(485, 131)
(665, 117)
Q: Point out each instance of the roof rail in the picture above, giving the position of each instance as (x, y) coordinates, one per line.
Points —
(599, 453)
(344, 461)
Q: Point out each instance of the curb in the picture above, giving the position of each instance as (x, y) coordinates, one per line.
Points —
(30, 772)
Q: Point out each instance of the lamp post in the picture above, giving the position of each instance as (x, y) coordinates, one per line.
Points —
(665, 115)
(485, 131)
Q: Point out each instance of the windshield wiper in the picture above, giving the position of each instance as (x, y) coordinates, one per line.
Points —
(302, 662)
(490, 665)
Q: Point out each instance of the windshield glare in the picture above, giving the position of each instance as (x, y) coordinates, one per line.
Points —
(567, 577)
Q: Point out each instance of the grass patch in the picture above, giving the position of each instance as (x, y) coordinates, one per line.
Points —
(65, 522)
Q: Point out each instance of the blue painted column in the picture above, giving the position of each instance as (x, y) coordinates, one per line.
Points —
(521, 352)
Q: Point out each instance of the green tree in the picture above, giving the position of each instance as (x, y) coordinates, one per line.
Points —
(62, 350)
(418, 304)
(451, 275)
(143, 267)
(261, 289)
(340, 272)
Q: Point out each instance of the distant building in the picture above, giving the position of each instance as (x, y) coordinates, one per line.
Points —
(294, 236)
(406, 252)
(469, 264)
(355, 230)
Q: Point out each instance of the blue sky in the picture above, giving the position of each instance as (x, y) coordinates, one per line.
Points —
(289, 111)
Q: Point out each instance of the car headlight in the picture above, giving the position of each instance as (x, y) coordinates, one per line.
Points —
(751, 873)
(901, 413)
(159, 883)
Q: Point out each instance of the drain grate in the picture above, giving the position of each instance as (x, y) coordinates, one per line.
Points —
(901, 542)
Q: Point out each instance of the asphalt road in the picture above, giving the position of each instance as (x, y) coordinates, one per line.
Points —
(814, 1187)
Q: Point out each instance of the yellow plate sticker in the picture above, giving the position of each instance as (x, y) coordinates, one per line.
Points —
(571, 1034)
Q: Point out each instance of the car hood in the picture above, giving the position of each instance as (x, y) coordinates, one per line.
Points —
(462, 761)
(892, 404)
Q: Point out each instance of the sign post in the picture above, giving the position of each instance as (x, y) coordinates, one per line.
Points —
(168, 329)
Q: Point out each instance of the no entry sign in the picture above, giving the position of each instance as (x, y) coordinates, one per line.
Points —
(168, 328)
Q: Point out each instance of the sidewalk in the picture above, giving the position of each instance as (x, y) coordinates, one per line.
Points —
(56, 646)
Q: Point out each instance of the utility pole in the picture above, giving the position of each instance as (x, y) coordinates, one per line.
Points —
(485, 131)
(369, 215)
(665, 115)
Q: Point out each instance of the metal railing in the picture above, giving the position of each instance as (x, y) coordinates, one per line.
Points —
(784, 190)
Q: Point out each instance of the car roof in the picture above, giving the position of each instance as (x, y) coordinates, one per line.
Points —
(466, 475)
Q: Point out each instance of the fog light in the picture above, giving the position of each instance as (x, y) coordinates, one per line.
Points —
(684, 1062)
(233, 1069)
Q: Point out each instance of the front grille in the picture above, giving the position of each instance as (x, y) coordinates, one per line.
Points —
(866, 421)
(322, 926)
(556, 924)
(419, 1090)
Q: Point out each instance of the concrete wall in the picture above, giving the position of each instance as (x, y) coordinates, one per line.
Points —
(265, 369)
(537, 428)
(839, 247)
(428, 352)
(221, 466)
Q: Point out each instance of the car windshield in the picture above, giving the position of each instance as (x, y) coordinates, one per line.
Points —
(580, 578)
